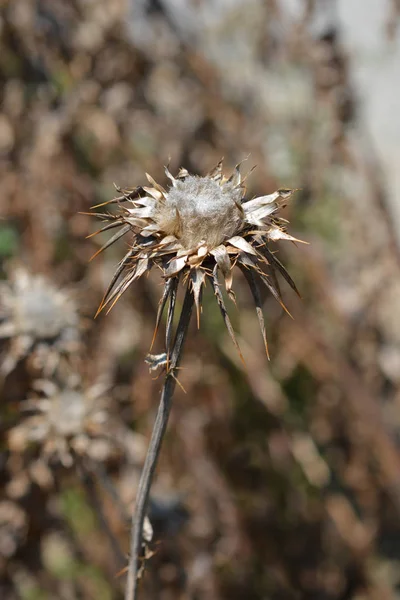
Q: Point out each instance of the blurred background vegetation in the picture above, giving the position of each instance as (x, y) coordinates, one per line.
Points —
(277, 482)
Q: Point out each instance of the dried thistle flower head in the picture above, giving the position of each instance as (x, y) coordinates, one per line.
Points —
(64, 421)
(198, 227)
(36, 317)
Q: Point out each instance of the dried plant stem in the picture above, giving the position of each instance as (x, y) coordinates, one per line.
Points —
(153, 451)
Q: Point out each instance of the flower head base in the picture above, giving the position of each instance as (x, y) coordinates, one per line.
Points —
(199, 227)
(36, 316)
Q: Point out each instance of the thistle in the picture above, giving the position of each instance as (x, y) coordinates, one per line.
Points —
(65, 422)
(198, 229)
(36, 318)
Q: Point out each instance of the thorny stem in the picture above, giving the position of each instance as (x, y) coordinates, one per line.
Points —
(153, 451)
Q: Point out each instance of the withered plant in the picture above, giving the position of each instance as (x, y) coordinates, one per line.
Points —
(193, 231)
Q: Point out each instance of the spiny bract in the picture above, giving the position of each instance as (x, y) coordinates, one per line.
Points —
(197, 228)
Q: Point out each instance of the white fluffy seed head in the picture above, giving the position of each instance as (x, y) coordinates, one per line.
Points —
(200, 210)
